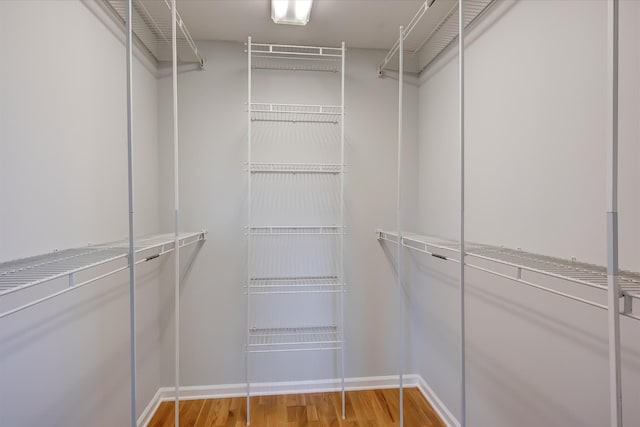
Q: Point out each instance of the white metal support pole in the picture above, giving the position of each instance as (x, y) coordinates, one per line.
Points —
(613, 292)
(342, 233)
(176, 190)
(132, 251)
(463, 378)
(399, 222)
(249, 196)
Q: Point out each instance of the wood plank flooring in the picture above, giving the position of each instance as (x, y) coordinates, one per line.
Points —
(367, 408)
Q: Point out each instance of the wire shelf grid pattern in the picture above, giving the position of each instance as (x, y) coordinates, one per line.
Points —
(312, 338)
(27, 272)
(296, 113)
(286, 230)
(590, 275)
(295, 58)
(433, 28)
(428, 48)
(38, 269)
(294, 285)
(152, 26)
(296, 168)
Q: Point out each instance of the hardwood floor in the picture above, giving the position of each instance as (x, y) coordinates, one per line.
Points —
(367, 408)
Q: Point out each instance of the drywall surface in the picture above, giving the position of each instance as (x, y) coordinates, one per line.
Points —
(213, 189)
(535, 179)
(63, 183)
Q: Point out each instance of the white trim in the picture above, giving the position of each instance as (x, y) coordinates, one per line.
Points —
(166, 394)
(145, 417)
(441, 409)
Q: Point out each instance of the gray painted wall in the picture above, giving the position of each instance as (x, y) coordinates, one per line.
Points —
(535, 98)
(213, 195)
(63, 183)
(535, 105)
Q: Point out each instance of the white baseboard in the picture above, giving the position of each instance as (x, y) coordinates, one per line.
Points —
(293, 387)
(441, 409)
(150, 410)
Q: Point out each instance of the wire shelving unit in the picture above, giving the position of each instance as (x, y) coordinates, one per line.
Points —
(302, 230)
(434, 27)
(152, 27)
(321, 241)
(28, 273)
(524, 267)
(296, 168)
(296, 58)
(294, 285)
(311, 338)
(296, 113)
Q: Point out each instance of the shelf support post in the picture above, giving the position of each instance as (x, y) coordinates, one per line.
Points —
(249, 225)
(132, 252)
(176, 205)
(399, 221)
(613, 292)
(463, 366)
(342, 233)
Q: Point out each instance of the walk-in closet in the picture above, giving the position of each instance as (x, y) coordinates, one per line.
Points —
(414, 213)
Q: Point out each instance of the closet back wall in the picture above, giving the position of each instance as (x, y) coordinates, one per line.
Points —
(213, 144)
(63, 183)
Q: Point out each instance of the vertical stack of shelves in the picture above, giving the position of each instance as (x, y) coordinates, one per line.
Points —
(295, 230)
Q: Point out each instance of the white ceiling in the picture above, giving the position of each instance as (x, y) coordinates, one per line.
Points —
(359, 23)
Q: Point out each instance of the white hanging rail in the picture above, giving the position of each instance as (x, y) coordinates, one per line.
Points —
(18, 275)
(433, 28)
(524, 266)
(152, 25)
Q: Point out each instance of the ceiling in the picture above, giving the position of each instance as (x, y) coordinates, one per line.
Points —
(359, 23)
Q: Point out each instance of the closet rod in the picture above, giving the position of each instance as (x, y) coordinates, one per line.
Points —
(131, 260)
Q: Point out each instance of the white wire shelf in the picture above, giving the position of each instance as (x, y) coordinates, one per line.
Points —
(312, 338)
(590, 275)
(294, 285)
(152, 26)
(295, 230)
(21, 274)
(295, 113)
(295, 58)
(308, 168)
(433, 28)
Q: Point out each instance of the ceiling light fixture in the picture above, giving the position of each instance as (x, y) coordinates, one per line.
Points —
(291, 12)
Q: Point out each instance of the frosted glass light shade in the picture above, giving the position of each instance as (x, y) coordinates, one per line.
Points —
(291, 12)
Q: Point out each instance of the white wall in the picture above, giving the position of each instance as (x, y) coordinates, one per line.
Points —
(63, 183)
(213, 195)
(536, 159)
